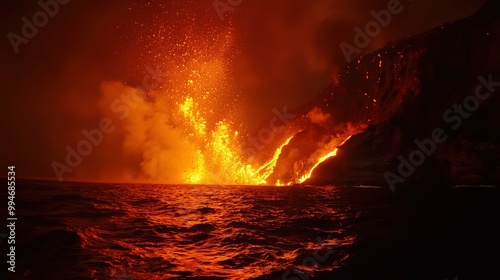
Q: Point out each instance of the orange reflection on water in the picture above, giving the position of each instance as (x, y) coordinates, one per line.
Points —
(233, 232)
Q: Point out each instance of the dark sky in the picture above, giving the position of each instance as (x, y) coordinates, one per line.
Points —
(273, 54)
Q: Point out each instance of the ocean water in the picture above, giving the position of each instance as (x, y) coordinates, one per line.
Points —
(120, 231)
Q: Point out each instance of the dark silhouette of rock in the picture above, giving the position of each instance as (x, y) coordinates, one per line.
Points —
(415, 82)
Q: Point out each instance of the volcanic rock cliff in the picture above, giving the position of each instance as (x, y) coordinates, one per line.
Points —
(421, 87)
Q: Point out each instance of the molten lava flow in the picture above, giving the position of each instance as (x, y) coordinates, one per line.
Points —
(267, 168)
(320, 160)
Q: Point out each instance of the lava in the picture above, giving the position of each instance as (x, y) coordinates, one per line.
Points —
(191, 128)
(320, 160)
(188, 130)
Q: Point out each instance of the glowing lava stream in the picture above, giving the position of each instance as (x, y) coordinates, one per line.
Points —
(320, 160)
(268, 167)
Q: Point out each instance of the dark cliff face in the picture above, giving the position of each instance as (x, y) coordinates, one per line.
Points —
(431, 85)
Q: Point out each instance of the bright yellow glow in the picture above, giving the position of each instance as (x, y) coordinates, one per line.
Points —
(320, 160)
(221, 162)
(267, 168)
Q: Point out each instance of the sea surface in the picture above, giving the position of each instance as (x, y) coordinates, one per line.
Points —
(123, 231)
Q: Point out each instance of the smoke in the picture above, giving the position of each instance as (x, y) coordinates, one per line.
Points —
(316, 116)
(148, 135)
